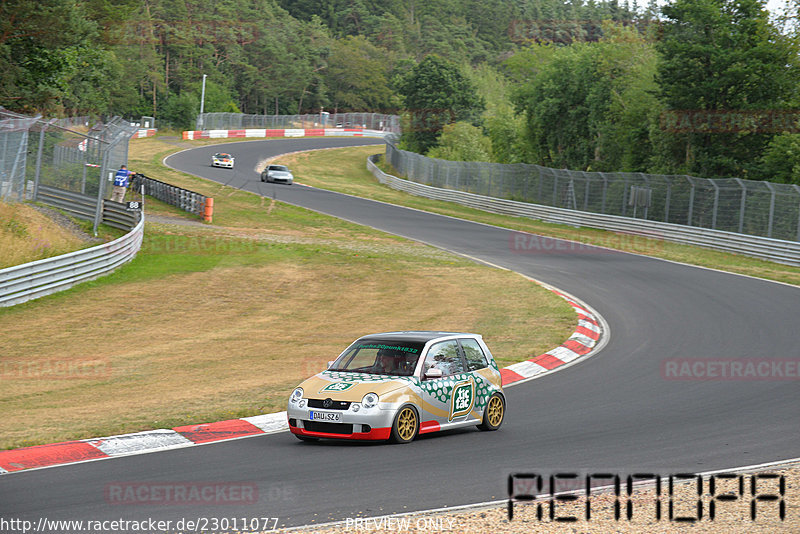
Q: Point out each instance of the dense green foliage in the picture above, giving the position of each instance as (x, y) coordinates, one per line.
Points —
(723, 56)
(589, 104)
(436, 93)
(692, 87)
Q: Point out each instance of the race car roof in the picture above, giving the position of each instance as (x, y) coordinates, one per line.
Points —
(422, 336)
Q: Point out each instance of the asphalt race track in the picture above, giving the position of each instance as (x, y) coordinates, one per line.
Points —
(613, 412)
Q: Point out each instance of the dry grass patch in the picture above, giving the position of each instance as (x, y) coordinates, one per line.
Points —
(232, 340)
(28, 235)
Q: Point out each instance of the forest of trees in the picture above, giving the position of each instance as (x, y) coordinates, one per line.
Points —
(702, 87)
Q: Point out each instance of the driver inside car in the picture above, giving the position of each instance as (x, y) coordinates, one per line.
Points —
(387, 362)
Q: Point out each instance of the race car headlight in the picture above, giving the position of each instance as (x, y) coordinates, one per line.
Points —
(370, 400)
(297, 394)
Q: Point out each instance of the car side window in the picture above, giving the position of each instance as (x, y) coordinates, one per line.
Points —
(445, 356)
(476, 359)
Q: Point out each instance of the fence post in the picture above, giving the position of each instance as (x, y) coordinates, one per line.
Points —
(624, 195)
(101, 189)
(38, 174)
(669, 194)
(586, 191)
(605, 189)
(742, 203)
(716, 205)
(797, 187)
(691, 201)
(647, 183)
(23, 148)
(83, 174)
(771, 207)
(3, 170)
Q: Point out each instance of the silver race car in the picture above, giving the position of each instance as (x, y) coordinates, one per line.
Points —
(396, 385)
(277, 174)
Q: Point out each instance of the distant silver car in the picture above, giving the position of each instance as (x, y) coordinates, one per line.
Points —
(279, 174)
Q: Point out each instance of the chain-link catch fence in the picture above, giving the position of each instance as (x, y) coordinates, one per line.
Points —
(60, 154)
(743, 206)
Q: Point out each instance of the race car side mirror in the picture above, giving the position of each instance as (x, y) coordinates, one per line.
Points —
(433, 373)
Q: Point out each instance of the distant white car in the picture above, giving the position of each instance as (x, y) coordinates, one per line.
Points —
(222, 160)
(277, 174)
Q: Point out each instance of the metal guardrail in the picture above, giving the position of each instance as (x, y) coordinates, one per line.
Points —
(114, 214)
(787, 252)
(78, 205)
(184, 199)
(44, 277)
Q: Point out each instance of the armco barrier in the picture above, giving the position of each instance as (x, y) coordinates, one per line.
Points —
(184, 199)
(82, 206)
(43, 277)
(787, 252)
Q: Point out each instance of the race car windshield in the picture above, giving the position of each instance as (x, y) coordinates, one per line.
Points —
(380, 358)
(278, 168)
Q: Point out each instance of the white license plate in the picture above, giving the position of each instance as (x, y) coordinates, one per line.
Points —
(325, 416)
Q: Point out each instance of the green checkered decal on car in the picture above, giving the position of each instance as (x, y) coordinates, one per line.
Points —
(438, 389)
(361, 377)
(337, 386)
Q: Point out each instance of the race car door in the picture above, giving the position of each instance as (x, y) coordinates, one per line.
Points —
(450, 399)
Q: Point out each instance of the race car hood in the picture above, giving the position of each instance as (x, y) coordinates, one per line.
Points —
(350, 386)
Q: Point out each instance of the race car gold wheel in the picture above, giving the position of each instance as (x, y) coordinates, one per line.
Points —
(494, 413)
(405, 426)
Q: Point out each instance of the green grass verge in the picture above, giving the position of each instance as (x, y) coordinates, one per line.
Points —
(330, 170)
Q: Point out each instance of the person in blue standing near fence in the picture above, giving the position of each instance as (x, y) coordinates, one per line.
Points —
(121, 181)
